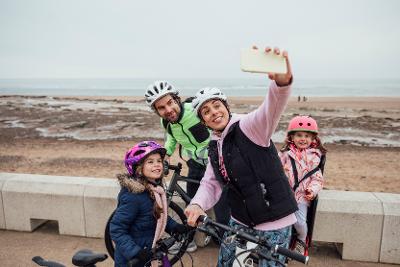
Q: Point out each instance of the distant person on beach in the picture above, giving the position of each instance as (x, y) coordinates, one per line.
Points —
(183, 127)
(298, 98)
(244, 160)
(141, 215)
(301, 156)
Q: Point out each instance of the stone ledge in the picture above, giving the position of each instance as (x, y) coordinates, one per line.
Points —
(365, 225)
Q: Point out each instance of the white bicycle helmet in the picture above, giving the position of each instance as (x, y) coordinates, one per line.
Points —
(205, 94)
(157, 90)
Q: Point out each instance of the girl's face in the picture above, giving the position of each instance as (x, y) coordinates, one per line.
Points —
(152, 167)
(215, 114)
(302, 140)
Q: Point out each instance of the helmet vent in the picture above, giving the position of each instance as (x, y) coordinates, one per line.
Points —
(138, 152)
(156, 89)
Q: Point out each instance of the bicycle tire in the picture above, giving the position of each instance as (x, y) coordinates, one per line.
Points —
(107, 237)
(172, 258)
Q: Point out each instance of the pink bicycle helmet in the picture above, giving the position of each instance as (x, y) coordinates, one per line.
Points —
(139, 152)
(302, 124)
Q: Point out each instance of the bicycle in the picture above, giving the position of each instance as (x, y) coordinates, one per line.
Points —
(252, 248)
(174, 210)
(87, 258)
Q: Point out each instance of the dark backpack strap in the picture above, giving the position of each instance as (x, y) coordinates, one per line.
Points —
(167, 126)
(295, 173)
(308, 175)
(322, 163)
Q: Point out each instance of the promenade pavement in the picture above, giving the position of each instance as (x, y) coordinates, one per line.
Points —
(18, 248)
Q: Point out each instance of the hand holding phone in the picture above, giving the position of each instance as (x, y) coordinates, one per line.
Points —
(259, 61)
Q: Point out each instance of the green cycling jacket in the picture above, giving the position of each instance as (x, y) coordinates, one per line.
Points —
(190, 133)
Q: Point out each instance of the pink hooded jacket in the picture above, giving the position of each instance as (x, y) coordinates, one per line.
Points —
(258, 126)
(306, 160)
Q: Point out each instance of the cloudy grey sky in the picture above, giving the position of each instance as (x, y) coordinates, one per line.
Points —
(195, 39)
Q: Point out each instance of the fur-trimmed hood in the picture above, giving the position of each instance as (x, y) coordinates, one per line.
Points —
(133, 185)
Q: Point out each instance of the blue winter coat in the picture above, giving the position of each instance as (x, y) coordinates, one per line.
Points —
(133, 225)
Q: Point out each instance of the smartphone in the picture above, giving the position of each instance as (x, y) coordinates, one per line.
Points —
(254, 60)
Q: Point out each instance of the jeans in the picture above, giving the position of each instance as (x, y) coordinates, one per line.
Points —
(281, 237)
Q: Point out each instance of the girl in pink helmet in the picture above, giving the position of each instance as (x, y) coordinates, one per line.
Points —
(141, 215)
(301, 156)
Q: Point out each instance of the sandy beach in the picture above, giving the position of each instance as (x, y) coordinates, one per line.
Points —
(87, 136)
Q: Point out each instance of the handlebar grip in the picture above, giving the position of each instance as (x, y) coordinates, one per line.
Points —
(176, 168)
(202, 218)
(291, 254)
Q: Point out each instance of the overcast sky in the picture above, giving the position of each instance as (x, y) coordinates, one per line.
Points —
(195, 39)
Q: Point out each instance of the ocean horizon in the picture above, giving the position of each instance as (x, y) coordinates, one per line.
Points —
(231, 86)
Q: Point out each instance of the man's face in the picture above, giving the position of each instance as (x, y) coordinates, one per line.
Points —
(168, 108)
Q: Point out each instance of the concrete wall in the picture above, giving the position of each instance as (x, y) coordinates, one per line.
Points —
(353, 219)
(365, 225)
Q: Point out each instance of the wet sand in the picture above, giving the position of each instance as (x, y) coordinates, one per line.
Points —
(82, 136)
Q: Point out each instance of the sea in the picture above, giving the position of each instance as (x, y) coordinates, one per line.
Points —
(188, 87)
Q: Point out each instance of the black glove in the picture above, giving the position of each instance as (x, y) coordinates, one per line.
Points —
(144, 254)
(142, 257)
(182, 229)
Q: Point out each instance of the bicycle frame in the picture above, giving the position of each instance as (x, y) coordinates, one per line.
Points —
(175, 187)
(259, 241)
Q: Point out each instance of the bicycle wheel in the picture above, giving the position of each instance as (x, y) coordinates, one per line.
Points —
(107, 237)
(176, 213)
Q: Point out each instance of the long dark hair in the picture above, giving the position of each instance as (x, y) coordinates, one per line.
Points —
(157, 210)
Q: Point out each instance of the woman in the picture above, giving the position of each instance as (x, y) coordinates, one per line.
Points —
(243, 159)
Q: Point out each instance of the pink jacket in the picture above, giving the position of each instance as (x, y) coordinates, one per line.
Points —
(306, 160)
(258, 126)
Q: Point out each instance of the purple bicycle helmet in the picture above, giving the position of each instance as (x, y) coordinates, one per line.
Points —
(139, 152)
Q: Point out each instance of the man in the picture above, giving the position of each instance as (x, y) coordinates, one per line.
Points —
(183, 127)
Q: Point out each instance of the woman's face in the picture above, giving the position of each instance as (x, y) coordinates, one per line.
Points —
(215, 114)
(152, 167)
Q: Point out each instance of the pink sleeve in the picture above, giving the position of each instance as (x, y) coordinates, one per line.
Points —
(209, 191)
(260, 124)
(316, 180)
(316, 183)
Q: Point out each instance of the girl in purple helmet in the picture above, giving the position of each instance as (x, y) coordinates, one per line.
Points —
(301, 156)
(141, 215)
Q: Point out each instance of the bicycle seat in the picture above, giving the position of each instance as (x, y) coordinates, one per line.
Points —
(86, 257)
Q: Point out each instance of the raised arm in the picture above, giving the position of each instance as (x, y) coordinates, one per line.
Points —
(260, 124)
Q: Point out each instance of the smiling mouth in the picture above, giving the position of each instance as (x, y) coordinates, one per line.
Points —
(218, 119)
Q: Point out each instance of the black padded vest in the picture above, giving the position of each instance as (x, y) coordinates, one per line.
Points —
(259, 190)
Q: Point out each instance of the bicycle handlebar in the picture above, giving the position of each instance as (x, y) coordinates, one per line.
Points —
(176, 168)
(257, 240)
(162, 246)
